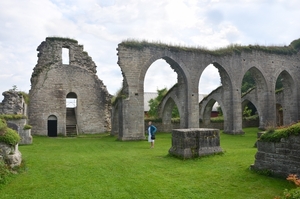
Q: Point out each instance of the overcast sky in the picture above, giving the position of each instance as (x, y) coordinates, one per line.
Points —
(100, 25)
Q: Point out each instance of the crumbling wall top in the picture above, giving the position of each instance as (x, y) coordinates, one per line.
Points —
(50, 55)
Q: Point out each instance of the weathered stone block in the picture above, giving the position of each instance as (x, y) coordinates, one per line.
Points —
(10, 154)
(197, 142)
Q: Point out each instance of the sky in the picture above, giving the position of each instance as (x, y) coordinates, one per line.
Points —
(100, 25)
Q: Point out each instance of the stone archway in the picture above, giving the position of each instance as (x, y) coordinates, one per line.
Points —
(287, 94)
(132, 104)
(266, 63)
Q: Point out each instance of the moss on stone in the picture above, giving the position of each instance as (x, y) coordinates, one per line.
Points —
(8, 135)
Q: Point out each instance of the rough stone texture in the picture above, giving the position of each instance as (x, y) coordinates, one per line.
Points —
(10, 154)
(264, 66)
(197, 142)
(52, 81)
(280, 158)
(18, 125)
(13, 103)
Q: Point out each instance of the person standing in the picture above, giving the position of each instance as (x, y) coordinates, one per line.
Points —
(151, 134)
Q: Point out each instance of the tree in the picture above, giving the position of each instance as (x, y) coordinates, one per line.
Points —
(154, 103)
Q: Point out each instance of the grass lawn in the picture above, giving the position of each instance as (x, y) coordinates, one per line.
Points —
(98, 166)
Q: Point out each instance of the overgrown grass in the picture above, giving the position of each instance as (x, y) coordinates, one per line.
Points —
(293, 48)
(98, 166)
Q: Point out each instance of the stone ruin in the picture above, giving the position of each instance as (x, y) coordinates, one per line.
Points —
(10, 154)
(14, 104)
(193, 143)
(67, 98)
(279, 158)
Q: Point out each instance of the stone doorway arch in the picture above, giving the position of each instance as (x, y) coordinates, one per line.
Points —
(52, 126)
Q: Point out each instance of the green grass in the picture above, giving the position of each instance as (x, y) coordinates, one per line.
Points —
(98, 166)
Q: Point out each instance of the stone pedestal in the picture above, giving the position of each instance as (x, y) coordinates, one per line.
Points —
(195, 142)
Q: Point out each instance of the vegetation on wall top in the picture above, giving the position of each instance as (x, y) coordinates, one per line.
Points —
(275, 135)
(12, 116)
(54, 38)
(293, 48)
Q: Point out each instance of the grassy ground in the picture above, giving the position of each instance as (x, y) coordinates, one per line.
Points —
(98, 166)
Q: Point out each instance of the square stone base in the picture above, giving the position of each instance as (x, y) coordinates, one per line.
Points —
(196, 142)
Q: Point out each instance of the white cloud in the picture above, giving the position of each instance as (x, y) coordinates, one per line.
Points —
(100, 25)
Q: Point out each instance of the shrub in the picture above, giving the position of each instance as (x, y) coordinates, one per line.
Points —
(4, 172)
(26, 127)
(293, 193)
(8, 135)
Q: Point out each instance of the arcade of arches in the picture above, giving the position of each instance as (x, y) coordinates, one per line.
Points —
(265, 65)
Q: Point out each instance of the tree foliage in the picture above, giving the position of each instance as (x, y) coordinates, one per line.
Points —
(154, 103)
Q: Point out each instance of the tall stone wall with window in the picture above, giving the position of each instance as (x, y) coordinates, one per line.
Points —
(52, 81)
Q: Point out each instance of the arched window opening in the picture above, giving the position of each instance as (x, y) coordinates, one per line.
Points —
(71, 100)
(65, 56)
(210, 80)
(160, 77)
(286, 96)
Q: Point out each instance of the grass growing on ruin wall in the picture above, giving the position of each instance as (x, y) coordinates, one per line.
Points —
(12, 116)
(56, 38)
(275, 135)
(99, 166)
(293, 48)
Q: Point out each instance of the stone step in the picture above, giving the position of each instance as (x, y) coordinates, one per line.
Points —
(71, 130)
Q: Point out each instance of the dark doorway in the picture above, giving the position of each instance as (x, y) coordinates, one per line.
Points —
(52, 126)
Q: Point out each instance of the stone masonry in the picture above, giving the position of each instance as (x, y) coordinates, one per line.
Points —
(14, 103)
(264, 63)
(192, 143)
(279, 158)
(52, 82)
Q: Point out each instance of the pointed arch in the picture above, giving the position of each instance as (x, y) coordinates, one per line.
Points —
(287, 97)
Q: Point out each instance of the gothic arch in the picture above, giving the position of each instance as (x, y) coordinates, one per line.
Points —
(256, 98)
(289, 98)
(166, 106)
(182, 86)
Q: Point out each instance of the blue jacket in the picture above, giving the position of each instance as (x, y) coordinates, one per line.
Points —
(153, 130)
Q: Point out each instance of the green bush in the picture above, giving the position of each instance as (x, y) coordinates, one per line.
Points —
(272, 135)
(217, 119)
(8, 135)
(26, 127)
(4, 172)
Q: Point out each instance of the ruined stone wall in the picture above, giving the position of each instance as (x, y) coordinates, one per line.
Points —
(52, 81)
(266, 64)
(13, 103)
(280, 158)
